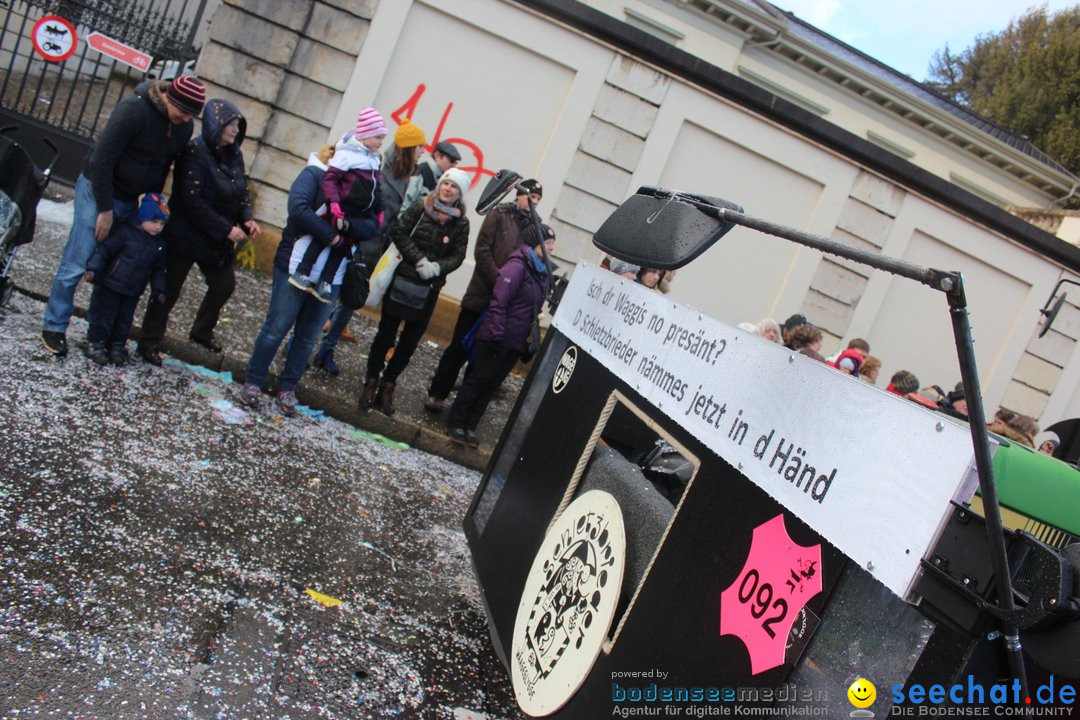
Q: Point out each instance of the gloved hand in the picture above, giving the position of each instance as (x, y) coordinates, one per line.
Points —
(427, 269)
(335, 210)
(338, 242)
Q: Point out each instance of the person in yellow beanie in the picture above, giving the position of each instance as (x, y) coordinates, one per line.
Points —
(399, 164)
(409, 135)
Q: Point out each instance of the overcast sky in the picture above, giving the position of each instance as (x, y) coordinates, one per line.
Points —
(906, 34)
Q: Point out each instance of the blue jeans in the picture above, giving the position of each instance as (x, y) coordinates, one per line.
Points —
(339, 320)
(80, 244)
(290, 309)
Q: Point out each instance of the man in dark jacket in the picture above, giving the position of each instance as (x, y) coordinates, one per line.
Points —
(499, 237)
(143, 136)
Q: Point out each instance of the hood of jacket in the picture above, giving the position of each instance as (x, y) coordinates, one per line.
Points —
(153, 91)
(216, 115)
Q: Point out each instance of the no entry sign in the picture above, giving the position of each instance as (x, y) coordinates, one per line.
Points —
(54, 38)
(119, 51)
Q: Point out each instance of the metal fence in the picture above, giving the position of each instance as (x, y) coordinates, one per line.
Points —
(70, 100)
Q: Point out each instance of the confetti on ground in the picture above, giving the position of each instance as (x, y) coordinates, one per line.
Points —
(222, 377)
(324, 600)
(395, 444)
(310, 412)
(229, 413)
(154, 557)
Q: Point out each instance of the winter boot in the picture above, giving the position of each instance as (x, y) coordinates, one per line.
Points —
(55, 342)
(97, 353)
(367, 397)
(384, 399)
(325, 360)
(286, 402)
(250, 394)
(118, 354)
(148, 351)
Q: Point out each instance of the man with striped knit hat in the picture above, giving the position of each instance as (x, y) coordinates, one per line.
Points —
(145, 133)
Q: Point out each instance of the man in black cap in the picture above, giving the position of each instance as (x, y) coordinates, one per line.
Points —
(145, 133)
(790, 324)
(500, 235)
(428, 172)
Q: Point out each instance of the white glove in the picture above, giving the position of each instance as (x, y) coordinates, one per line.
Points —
(427, 269)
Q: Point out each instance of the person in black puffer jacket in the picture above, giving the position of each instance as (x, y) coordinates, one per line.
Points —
(432, 236)
(212, 215)
(132, 255)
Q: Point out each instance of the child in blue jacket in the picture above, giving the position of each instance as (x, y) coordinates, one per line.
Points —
(120, 267)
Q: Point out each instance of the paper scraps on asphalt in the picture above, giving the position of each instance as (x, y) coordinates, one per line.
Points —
(393, 444)
(324, 600)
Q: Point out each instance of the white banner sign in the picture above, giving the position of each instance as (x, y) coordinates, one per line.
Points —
(871, 472)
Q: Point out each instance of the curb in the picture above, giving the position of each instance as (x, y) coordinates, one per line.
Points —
(414, 434)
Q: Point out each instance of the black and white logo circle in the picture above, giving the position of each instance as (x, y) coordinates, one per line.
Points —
(568, 603)
(567, 363)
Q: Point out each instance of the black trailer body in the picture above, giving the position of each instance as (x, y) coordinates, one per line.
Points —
(679, 520)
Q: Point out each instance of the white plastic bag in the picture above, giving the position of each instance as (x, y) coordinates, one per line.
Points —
(382, 275)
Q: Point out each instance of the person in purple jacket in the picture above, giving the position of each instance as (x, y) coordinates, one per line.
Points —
(516, 300)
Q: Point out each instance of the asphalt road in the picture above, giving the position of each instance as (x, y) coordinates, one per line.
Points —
(158, 542)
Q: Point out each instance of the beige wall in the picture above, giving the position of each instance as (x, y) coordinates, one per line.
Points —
(755, 58)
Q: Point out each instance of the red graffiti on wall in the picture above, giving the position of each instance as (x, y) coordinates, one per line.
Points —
(408, 110)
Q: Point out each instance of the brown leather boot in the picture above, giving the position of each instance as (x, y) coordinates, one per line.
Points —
(367, 397)
(385, 398)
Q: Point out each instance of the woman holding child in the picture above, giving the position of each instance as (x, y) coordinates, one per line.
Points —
(293, 309)
(212, 215)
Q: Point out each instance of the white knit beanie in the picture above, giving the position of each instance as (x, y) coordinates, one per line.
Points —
(459, 178)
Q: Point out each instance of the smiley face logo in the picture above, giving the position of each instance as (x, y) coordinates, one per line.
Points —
(862, 693)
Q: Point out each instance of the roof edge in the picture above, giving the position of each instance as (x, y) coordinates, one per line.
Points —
(680, 63)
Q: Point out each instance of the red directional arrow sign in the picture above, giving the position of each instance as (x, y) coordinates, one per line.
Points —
(119, 51)
(778, 579)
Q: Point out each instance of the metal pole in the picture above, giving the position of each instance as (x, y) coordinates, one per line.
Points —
(969, 375)
(895, 266)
